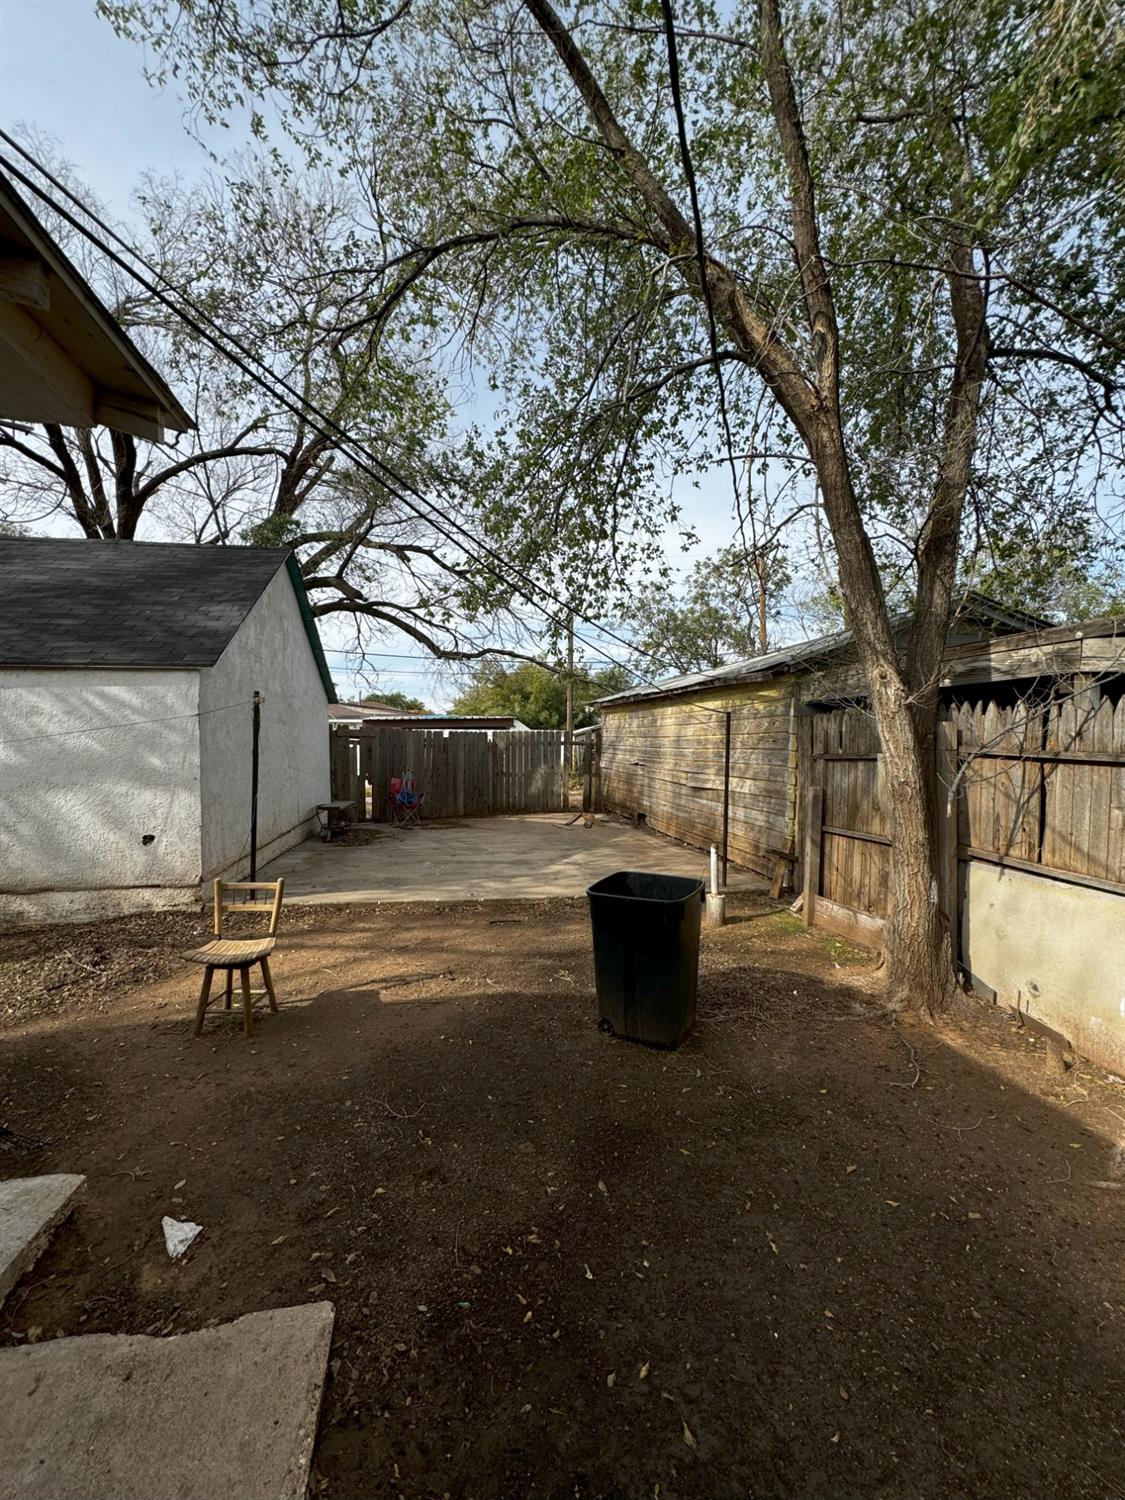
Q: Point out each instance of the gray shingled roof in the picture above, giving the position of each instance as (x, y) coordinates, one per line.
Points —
(125, 604)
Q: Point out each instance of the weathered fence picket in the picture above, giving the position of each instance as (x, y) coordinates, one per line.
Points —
(1039, 784)
(463, 773)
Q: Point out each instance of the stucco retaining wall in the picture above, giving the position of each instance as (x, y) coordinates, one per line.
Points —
(1055, 949)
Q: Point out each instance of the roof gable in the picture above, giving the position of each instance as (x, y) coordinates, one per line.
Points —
(132, 604)
(65, 358)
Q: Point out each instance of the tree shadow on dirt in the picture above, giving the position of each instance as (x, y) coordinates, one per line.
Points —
(564, 1263)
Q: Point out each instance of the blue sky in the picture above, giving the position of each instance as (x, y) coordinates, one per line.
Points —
(65, 73)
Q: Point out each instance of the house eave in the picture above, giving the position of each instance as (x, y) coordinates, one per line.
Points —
(63, 356)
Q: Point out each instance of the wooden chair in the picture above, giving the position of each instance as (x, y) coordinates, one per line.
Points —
(242, 954)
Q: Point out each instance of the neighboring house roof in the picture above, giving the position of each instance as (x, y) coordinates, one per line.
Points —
(356, 713)
(389, 711)
(63, 356)
(975, 610)
(345, 713)
(70, 603)
(396, 719)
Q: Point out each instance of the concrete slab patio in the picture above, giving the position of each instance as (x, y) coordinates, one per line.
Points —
(230, 1411)
(482, 859)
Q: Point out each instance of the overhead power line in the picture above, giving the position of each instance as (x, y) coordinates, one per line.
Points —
(701, 253)
(227, 344)
(62, 734)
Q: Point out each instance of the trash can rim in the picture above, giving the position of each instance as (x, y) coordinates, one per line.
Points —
(695, 884)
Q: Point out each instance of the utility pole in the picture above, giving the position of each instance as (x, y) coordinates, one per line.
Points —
(569, 739)
(255, 734)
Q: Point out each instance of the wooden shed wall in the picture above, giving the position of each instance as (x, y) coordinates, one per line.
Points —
(665, 760)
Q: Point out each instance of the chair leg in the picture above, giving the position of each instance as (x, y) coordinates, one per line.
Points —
(269, 984)
(247, 1002)
(230, 989)
(204, 996)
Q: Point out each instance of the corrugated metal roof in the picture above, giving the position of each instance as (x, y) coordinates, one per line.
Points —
(786, 658)
(445, 721)
(803, 655)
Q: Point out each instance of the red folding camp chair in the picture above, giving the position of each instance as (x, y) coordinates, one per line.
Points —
(404, 802)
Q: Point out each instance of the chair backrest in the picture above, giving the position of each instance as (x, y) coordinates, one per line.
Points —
(223, 903)
(407, 794)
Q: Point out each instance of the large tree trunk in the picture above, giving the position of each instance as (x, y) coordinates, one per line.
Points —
(920, 973)
(919, 958)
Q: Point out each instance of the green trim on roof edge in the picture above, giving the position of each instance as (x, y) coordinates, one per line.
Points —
(293, 568)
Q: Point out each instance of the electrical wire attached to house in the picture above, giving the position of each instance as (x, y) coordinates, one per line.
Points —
(57, 734)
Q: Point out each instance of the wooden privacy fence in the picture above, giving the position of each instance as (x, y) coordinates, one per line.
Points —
(1042, 787)
(847, 829)
(1036, 785)
(463, 773)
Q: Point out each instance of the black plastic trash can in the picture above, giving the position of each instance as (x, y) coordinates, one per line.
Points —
(646, 954)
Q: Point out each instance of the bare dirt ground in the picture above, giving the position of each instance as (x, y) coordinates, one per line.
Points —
(565, 1265)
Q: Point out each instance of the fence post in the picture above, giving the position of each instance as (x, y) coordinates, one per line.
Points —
(948, 821)
(368, 776)
(341, 779)
(805, 768)
(813, 823)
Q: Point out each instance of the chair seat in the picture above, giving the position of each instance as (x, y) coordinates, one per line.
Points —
(231, 953)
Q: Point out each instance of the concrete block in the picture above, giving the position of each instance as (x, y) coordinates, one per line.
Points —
(229, 1411)
(30, 1208)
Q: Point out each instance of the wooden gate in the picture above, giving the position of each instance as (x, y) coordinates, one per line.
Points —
(463, 773)
(848, 846)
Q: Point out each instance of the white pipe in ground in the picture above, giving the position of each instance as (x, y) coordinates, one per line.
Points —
(715, 905)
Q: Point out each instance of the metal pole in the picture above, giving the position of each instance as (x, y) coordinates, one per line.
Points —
(257, 723)
(569, 697)
(726, 792)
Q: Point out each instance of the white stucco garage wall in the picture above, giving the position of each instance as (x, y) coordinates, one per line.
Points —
(94, 761)
(1056, 949)
(271, 653)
